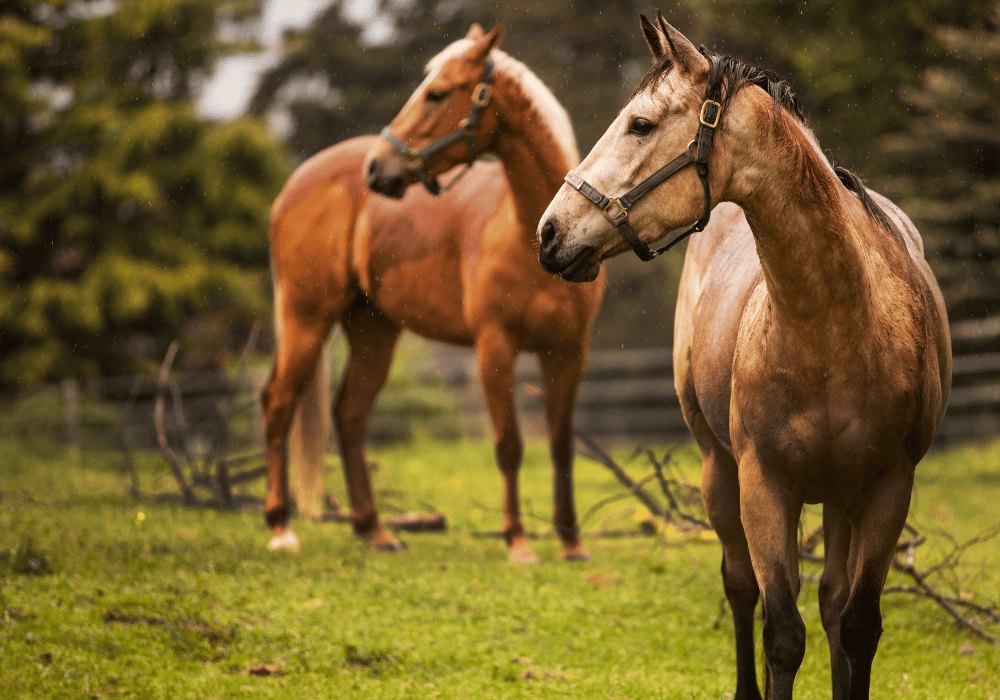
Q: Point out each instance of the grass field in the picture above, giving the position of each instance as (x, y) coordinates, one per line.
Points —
(146, 599)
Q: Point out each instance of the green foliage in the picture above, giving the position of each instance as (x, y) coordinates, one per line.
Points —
(121, 213)
(149, 599)
(847, 60)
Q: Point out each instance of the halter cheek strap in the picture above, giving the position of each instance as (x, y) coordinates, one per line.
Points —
(615, 209)
(466, 130)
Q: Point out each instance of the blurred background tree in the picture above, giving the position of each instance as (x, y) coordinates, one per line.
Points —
(123, 216)
(944, 162)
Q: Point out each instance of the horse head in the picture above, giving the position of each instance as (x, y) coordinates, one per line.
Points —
(446, 121)
(671, 106)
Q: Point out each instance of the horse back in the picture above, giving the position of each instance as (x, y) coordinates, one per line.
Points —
(938, 332)
(339, 163)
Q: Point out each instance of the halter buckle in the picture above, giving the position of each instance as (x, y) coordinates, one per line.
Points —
(482, 94)
(711, 111)
(614, 215)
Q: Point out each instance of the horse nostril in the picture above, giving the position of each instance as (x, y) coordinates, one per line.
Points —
(547, 234)
(372, 167)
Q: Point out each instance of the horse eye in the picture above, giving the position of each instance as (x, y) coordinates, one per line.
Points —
(640, 126)
(436, 95)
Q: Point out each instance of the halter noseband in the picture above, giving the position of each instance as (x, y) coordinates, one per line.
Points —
(466, 130)
(615, 209)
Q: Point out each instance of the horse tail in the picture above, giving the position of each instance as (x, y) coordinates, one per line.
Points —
(309, 433)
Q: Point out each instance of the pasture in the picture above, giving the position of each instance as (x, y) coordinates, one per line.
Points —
(103, 595)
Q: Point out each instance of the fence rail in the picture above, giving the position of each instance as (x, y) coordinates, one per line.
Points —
(626, 396)
(629, 394)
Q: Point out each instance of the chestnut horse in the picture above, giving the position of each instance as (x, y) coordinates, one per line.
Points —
(811, 348)
(459, 268)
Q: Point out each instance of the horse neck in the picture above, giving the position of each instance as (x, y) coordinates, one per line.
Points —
(806, 226)
(535, 157)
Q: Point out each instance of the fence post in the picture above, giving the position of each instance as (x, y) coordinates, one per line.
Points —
(71, 412)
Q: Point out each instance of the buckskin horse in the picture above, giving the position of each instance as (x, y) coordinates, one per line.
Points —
(460, 267)
(811, 347)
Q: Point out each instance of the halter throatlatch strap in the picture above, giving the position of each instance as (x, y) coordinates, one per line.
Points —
(466, 130)
(615, 209)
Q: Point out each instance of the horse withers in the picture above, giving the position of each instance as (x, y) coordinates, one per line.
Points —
(811, 349)
(457, 266)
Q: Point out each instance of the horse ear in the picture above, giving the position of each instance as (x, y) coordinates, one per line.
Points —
(653, 37)
(487, 43)
(686, 56)
(475, 32)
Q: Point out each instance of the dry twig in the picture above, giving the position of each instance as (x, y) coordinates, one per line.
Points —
(924, 587)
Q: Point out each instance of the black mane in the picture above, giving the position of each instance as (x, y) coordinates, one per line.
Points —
(729, 75)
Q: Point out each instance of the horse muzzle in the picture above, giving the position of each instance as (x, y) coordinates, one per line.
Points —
(572, 263)
(387, 179)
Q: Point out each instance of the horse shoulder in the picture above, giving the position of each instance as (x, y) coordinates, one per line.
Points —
(721, 274)
(313, 220)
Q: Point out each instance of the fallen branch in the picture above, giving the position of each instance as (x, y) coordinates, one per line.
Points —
(672, 512)
(598, 455)
(405, 520)
(163, 384)
(924, 587)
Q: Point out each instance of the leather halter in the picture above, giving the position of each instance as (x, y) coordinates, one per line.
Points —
(615, 209)
(466, 130)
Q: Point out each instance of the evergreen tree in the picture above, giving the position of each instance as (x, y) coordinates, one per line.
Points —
(946, 164)
(122, 214)
(846, 59)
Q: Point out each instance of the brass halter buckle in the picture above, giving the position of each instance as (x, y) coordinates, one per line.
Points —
(614, 211)
(711, 112)
(482, 94)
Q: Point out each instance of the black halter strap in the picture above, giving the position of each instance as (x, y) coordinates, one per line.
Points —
(466, 130)
(615, 209)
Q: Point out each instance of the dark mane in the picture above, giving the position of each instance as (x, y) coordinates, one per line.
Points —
(730, 75)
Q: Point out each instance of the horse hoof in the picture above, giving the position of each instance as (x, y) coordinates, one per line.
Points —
(521, 554)
(391, 546)
(285, 542)
(579, 553)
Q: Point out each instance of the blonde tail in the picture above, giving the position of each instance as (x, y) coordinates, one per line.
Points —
(307, 441)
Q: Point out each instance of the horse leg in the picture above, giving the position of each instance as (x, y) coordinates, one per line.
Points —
(720, 491)
(834, 587)
(371, 338)
(770, 518)
(495, 353)
(299, 345)
(562, 372)
(874, 535)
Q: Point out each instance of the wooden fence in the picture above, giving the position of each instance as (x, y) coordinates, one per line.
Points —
(627, 397)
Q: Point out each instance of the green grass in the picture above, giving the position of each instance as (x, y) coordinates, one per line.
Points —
(152, 600)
